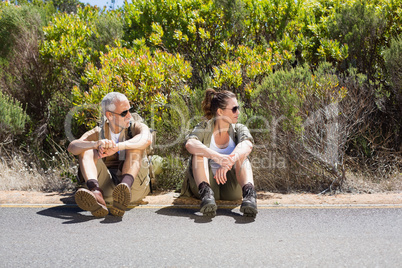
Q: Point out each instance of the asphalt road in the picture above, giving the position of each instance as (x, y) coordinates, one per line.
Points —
(65, 236)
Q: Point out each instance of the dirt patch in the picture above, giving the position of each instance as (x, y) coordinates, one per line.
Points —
(171, 198)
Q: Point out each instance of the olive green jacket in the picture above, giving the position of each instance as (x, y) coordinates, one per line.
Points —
(204, 130)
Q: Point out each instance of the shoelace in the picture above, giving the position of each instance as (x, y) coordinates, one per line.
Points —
(205, 192)
(249, 193)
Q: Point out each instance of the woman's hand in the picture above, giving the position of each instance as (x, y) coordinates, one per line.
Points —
(226, 162)
(220, 175)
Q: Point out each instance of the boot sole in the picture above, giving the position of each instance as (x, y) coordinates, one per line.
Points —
(87, 201)
(121, 199)
(209, 210)
(248, 211)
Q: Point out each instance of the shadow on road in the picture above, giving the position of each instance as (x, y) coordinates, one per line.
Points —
(189, 207)
(73, 214)
(194, 214)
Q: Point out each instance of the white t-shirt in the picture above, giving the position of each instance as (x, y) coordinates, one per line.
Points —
(228, 150)
(114, 137)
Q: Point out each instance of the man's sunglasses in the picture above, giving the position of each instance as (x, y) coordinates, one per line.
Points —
(124, 113)
(234, 109)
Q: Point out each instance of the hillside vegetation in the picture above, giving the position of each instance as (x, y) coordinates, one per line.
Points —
(319, 82)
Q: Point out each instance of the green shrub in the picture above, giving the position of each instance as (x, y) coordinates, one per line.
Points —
(68, 6)
(28, 79)
(177, 117)
(272, 20)
(280, 95)
(13, 22)
(172, 127)
(194, 28)
(146, 79)
(393, 59)
(296, 116)
(209, 33)
(361, 25)
(12, 116)
(245, 71)
(67, 42)
(72, 41)
(171, 178)
(108, 29)
(21, 73)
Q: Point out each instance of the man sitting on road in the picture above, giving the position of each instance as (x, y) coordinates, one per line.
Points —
(120, 142)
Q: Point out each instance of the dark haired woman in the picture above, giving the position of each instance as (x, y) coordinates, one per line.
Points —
(219, 168)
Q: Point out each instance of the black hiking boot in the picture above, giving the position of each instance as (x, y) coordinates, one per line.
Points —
(208, 206)
(249, 204)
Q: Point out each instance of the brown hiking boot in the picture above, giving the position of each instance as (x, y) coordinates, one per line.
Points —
(121, 199)
(92, 201)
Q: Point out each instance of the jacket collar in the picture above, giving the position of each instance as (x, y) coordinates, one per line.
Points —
(210, 130)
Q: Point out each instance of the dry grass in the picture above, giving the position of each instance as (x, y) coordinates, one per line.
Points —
(17, 174)
(276, 175)
(358, 183)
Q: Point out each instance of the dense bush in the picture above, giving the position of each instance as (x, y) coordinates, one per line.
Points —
(361, 26)
(21, 70)
(393, 59)
(288, 61)
(67, 44)
(148, 80)
(12, 118)
(196, 29)
(208, 33)
(242, 74)
(72, 42)
(305, 123)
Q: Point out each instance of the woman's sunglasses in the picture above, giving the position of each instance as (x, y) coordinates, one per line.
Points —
(234, 109)
(124, 113)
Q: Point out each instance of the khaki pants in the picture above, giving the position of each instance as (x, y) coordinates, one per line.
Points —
(230, 191)
(139, 189)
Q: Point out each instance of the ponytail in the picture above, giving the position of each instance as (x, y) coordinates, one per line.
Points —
(214, 100)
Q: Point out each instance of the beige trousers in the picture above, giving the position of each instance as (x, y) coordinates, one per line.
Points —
(139, 189)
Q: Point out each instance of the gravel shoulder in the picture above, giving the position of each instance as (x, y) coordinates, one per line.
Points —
(171, 198)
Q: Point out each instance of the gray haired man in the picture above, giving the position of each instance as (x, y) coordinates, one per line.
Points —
(112, 159)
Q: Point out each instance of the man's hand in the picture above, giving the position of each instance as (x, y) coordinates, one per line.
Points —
(109, 152)
(106, 148)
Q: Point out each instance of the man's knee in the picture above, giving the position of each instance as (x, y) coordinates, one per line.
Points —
(134, 161)
(134, 155)
(88, 155)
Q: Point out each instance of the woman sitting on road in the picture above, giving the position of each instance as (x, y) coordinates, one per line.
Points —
(219, 147)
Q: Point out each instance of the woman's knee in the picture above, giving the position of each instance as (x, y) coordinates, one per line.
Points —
(200, 169)
(199, 162)
(243, 166)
